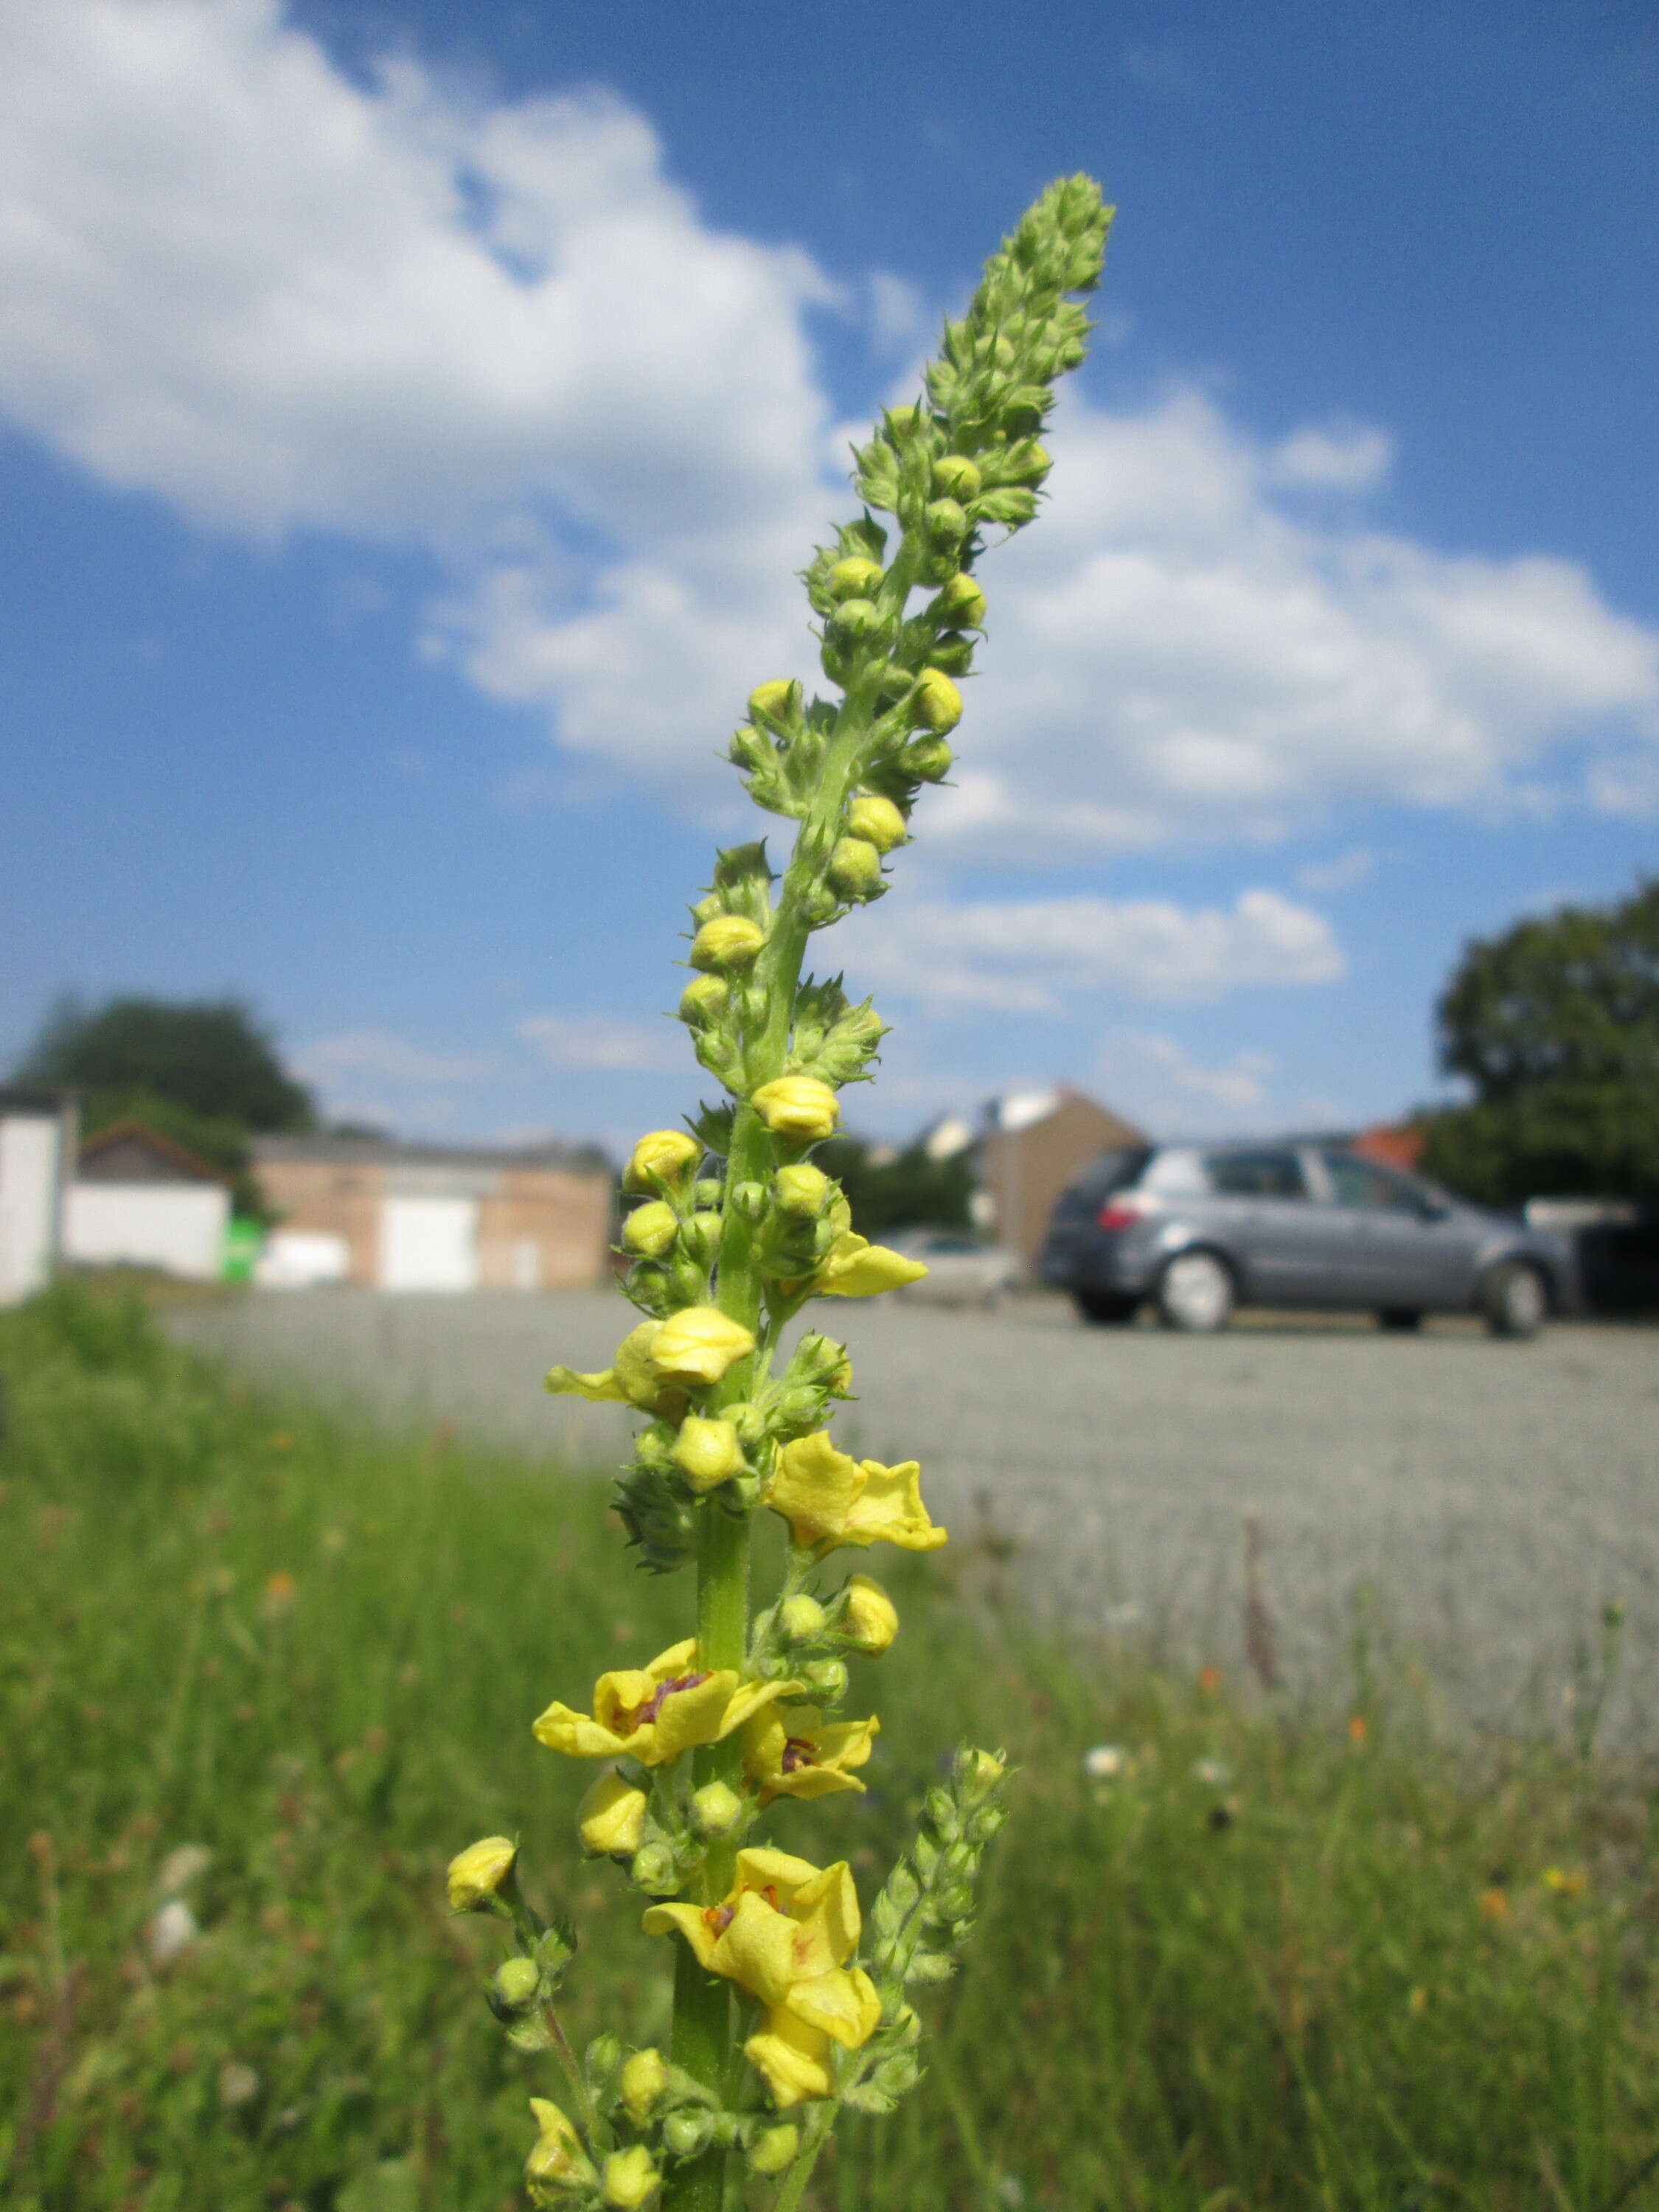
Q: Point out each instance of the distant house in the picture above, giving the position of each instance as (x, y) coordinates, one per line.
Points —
(419, 1217)
(1390, 1145)
(1033, 1143)
(37, 1152)
(139, 1199)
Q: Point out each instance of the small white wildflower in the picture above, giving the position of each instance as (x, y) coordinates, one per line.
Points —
(238, 2084)
(1105, 1762)
(172, 1930)
(180, 1867)
(1213, 1773)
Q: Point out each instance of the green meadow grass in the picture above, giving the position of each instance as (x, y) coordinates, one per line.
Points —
(1345, 1964)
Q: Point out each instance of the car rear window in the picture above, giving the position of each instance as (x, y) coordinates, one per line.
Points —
(1255, 1175)
(1113, 1170)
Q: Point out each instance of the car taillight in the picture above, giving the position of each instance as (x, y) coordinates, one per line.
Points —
(1123, 1212)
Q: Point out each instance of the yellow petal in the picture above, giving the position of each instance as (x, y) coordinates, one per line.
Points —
(839, 2004)
(640, 1382)
(611, 1817)
(602, 1389)
(793, 2056)
(578, 1735)
(476, 1873)
(828, 1906)
(856, 1269)
(760, 1866)
(814, 1486)
(889, 1510)
(757, 1950)
(697, 1347)
(750, 1698)
(692, 1715)
(688, 1920)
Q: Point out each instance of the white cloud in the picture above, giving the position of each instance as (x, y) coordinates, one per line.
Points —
(596, 1042)
(378, 1055)
(1340, 873)
(1023, 956)
(279, 298)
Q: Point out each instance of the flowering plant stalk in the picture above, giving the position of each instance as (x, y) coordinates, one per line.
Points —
(785, 2011)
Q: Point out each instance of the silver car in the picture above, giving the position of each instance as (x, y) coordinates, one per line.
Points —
(1200, 1230)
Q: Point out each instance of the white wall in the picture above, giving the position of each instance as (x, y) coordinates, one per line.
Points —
(29, 1171)
(429, 1244)
(174, 1226)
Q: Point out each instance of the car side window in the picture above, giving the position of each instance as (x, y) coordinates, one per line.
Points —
(1255, 1175)
(1359, 1182)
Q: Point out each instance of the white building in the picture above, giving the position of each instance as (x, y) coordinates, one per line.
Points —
(37, 1149)
(139, 1201)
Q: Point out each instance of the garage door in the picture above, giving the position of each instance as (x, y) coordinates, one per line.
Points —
(429, 1244)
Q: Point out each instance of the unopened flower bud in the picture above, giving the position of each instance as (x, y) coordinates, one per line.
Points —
(825, 1679)
(704, 1000)
(707, 906)
(955, 476)
(630, 2176)
(513, 1985)
(557, 2159)
(664, 1157)
(956, 1902)
(749, 1201)
(797, 1107)
(702, 1235)
(697, 1347)
(928, 759)
(480, 1872)
(801, 1618)
(854, 867)
(802, 1190)
(772, 2148)
(945, 521)
(688, 2132)
(978, 1773)
(748, 1420)
(706, 1193)
(777, 706)
(644, 2078)
(854, 619)
(611, 1819)
(651, 1228)
(854, 578)
(707, 1452)
(869, 1619)
(877, 820)
(935, 704)
(653, 1868)
(901, 421)
(716, 1810)
(729, 940)
(961, 604)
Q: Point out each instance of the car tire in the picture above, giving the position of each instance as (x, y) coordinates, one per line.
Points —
(1195, 1293)
(1514, 1299)
(1105, 1308)
(1401, 1321)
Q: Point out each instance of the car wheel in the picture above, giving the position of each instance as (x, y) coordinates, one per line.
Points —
(1400, 1320)
(1195, 1293)
(1514, 1300)
(1105, 1308)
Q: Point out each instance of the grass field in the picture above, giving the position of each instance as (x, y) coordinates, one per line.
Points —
(1281, 1959)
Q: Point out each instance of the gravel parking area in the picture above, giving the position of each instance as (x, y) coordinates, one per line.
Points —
(1489, 1497)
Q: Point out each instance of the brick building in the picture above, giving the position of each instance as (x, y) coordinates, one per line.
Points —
(418, 1216)
(1033, 1144)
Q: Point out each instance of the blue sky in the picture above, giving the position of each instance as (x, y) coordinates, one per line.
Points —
(411, 418)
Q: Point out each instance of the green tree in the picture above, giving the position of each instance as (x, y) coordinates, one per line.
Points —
(212, 1057)
(906, 1191)
(1556, 1025)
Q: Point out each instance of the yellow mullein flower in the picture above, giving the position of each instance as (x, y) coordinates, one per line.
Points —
(662, 1156)
(788, 1751)
(611, 1819)
(630, 1380)
(477, 1873)
(707, 1452)
(630, 2178)
(829, 1498)
(556, 2158)
(784, 1932)
(798, 1107)
(854, 1268)
(869, 1620)
(652, 1713)
(697, 1347)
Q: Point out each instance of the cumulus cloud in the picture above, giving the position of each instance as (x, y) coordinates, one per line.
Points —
(281, 299)
(595, 1041)
(1340, 873)
(378, 1055)
(1023, 956)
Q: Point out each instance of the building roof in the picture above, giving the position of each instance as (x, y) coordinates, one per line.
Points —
(398, 1152)
(34, 1098)
(131, 1152)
